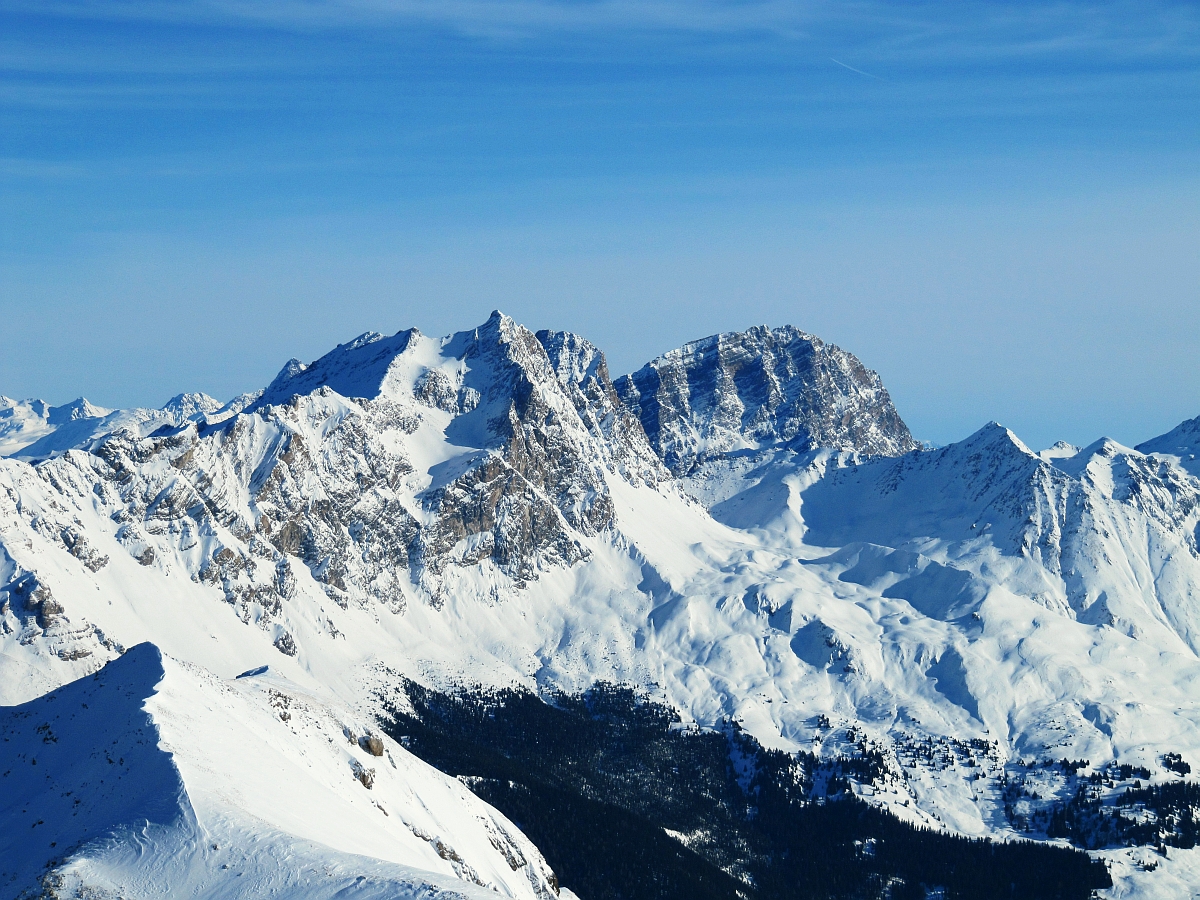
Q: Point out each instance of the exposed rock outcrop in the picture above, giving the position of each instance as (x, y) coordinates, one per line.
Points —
(759, 388)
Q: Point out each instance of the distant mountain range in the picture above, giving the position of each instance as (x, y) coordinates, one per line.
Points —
(743, 532)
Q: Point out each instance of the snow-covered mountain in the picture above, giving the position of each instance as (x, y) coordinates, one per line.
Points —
(157, 778)
(762, 388)
(1181, 444)
(744, 528)
(23, 422)
(32, 429)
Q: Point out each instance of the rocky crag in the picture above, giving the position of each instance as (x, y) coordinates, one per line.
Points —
(762, 388)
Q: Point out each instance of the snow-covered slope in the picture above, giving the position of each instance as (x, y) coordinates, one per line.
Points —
(25, 422)
(1181, 444)
(490, 508)
(154, 777)
(1106, 536)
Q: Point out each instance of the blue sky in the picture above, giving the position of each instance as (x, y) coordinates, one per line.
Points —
(995, 205)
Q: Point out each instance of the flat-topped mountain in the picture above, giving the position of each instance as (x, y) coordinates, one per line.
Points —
(762, 388)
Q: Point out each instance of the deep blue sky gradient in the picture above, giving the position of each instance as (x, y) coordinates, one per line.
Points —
(997, 206)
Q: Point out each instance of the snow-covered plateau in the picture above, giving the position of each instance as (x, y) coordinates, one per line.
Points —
(744, 530)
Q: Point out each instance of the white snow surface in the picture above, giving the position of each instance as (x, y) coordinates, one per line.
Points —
(1043, 603)
(1180, 445)
(1060, 450)
(156, 777)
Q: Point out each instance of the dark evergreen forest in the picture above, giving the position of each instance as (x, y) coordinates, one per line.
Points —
(597, 780)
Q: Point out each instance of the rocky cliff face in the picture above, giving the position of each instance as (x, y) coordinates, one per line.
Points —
(582, 372)
(541, 479)
(759, 388)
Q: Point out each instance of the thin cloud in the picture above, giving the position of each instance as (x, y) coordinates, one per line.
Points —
(502, 18)
(922, 33)
(852, 69)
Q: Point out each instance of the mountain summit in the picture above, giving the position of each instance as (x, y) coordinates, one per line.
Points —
(760, 388)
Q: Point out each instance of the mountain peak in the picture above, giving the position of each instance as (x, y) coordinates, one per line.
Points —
(1182, 443)
(1105, 446)
(193, 405)
(367, 337)
(1060, 450)
(79, 408)
(497, 325)
(759, 388)
(995, 433)
(354, 369)
(574, 359)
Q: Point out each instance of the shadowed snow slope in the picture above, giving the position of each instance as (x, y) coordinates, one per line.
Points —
(154, 777)
(82, 765)
(1181, 443)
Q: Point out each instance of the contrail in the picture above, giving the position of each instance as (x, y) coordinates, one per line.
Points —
(852, 69)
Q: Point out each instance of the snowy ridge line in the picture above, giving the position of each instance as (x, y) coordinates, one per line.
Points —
(155, 772)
